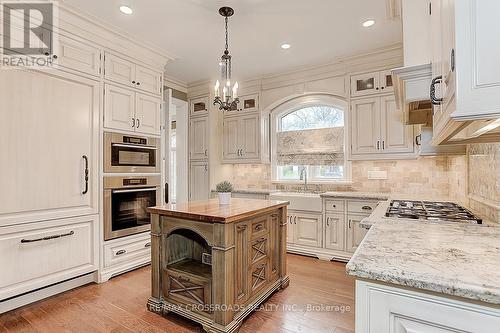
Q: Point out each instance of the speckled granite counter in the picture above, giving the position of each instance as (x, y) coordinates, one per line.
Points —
(356, 195)
(454, 259)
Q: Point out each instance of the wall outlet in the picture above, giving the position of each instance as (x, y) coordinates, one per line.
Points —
(377, 174)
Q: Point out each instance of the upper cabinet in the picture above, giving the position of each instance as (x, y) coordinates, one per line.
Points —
(377, 130)
(371, 83)
(248, 103)
(198, 138)
(198, 106)
(75, 55)
(465, 70)
(241, 138)
(127, 110)
(132, 75)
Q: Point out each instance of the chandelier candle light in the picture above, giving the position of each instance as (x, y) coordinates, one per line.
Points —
(229, 99)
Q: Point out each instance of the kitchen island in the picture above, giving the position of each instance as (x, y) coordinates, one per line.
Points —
(215, 263)
(419, 276)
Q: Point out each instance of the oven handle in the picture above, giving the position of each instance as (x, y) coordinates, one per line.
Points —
(133, 146)
(135, 190)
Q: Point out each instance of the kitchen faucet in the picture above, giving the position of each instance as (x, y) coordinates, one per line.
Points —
(303, 176)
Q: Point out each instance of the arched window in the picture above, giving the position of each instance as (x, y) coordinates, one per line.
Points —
(310, 139)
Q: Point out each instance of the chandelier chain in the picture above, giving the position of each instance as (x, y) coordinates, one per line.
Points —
(227, 45)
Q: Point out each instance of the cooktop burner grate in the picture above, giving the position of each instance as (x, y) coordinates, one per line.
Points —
(431, 211)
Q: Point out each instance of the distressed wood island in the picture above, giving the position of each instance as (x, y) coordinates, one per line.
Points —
(215, 263)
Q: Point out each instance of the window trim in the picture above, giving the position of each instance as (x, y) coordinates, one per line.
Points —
(295, 104)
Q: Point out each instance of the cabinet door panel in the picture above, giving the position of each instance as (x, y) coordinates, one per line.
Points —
(78, 56)
(365, 84)
(308, 229)
(119, 108)
(230, 147)
(365, 126)
(119, 70)
(147, 114)
(335, 231)
(355, 233)
(198, 134)
(50, 121)
(241, 275)
(248, 136)
(198, 181)
(198, 106)
(396, 136)
(148, 80)
(386, 83)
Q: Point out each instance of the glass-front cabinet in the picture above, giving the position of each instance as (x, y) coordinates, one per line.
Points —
(371, 83)
(248, 103)
(198, 106)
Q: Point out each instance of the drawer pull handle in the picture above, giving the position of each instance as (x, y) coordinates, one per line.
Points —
(366, 208)
(259, 227)
(147, 244)
(47, 237)
(120, 252)
(86, 176)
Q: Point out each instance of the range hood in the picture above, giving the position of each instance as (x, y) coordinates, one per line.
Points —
(411, 87)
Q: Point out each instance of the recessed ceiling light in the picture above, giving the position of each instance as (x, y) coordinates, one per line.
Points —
(126, 10)
(368, 23)
(285, 46)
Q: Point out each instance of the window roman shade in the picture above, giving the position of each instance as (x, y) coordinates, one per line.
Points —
(323, 146)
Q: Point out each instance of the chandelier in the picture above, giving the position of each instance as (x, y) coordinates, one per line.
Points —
(229, 98)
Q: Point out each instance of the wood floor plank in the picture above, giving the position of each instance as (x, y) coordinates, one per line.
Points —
(119, 305)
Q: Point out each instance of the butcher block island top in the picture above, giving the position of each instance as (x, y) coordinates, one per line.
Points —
(215, 264)
(212, 211)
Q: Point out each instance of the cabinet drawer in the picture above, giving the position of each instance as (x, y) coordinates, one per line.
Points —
(125, 249)
(188, 289)
(361, 207)
(39, 254)
(259, 274)
(259, 227)
(334, 205)
(260, 249)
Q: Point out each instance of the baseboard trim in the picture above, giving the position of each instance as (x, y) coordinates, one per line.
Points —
(39, 294)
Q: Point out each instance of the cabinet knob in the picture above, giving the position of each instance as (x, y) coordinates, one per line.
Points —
(54, 56)
(138, 83)
(376, 88)
(133, 82)
(382, 88)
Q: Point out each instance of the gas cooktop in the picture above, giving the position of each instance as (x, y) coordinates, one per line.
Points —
(431, 211)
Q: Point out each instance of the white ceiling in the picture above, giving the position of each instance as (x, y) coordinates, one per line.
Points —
(193, 32)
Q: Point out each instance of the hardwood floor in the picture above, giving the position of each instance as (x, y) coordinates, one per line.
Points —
(119, 305)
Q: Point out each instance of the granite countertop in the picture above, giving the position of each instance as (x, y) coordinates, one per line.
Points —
(454, 259)
(252, 191)
(212, 212)
(356, 195)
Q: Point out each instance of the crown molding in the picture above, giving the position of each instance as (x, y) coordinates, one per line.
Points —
(174, 83)
(388, 57)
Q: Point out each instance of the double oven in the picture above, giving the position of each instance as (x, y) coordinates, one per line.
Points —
(132, 183)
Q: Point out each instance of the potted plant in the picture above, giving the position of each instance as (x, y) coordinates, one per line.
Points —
(224, 190)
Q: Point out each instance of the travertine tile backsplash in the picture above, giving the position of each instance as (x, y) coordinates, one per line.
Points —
(472, 180)
(425, 176)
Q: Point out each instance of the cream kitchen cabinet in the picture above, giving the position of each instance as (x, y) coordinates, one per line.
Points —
(123, 71)
(50, 139)
(125, 109)
(387, 308)
(377, 130)
(241, 138)
(334, 231)
(43, 253)
(465, 70)
(198, 138)
(79, 56)
(306, 229)
(355, 233)
(371, 83)
(248, 103)
(199, 188)
(199, 106)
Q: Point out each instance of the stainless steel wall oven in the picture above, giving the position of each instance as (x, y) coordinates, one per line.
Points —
(126, 200)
